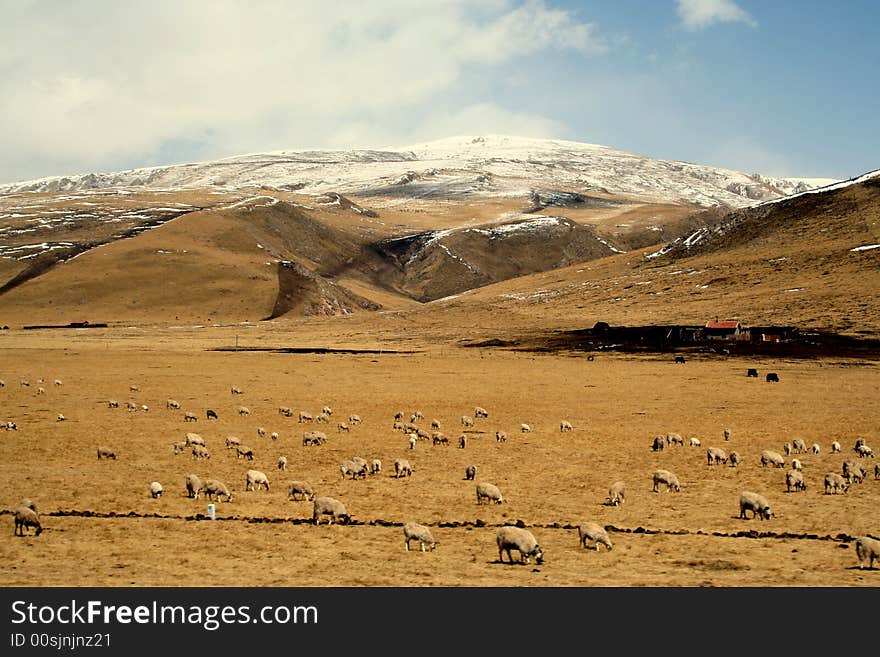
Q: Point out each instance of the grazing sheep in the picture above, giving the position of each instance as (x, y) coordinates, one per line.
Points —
(421, 434)
(25, 383)
(479, 411)
(467, 421)
(726, 434)
(28, 503)
(261, 432)
(398, 415)
(695, 442)
(757, 504)
(835, 447)
(112, 404)
(402, 468)
(501, 436)
(254, 480)
(867, 549)
(131, 407)
(60, 418)
(327, 506)
(282, 463)
(462, 441)
(815, 448)
(193, 486)
(56, 382)
(305, 417)
(172, 403)
(525, 428)
(200, 452)
(274, 435)
(416, 416)
(489, 492)
(413, 531)
(232, 441)
(215, 489)
(865, 451)
(194, 439)
(435, 424)
(658, 444)
(735, 459)
(516, 538)
(8, 426)
(106, 453)
(787, 449)
(798, 446)
(133, 388)
(244, 410)
(397, 426)
(322, 418)
(156, 489)
(26, 517)
(235, 391)
(342, 426)
(471, 471)
(859, 443)
(300, 488)
(375, 466)
(773, 458)
(314, 438)
(564, 426)
(593, 531)
(243, 451)
(190, 417)
(354, 469)
(41, 390)
(409, 427)
(211, 414)
(179, 447)
(354, 419)
(796, 464)
(285, 411)
(665, 477)
(412, 441)
(674, 439)
(834, 483)
(794, 479)
(439, 439)
(853, 472)
(877, 471)
(616, 494)
(716, 456)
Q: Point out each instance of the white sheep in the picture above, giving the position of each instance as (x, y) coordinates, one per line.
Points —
(658, 444)
(716, 455)
(235, 391)
(416, 416)
(25, 518)
(285, 411)
(616, 494)
(768, 456)
(172, 403)
(254, 480)
(193, 485)
(106, 453)
(565, 425)
(412, 441)
(402, 468)
(815, 448)
(342, 426)
(479, 411)
(757, 504)
(867, 549)
(244, 410)
(796, 464)
(314, 438)
(156, 489)
(525, 428)
(488, 492)
(501, 436)
(190, 417)
(516, 538)
(354, 419)
(435, 424)
(131, 407)
(145, 408)
(200, 452)
(375, 466)
(282, 463)
(322, 418)
(726, 434)
(877, 471)
(232, 441)
(274, 435)
(798, 446)
(787, 449)
(300, 488)
(134, 388)
(194, 439)
(835, 483)
(41, 390)
(439, 439)
(112, 403)
(674, 439)
(60, 418)
(865, 451)
(794, 479)
(245, 452)
(854, 472)
(734, 458)
(412, 531)
(215, 489)
(471, 471)
(467, 421)
(328, 506)
(593, 531)
(353, 469)
(8, 426)
(835, 447)
(261, 432)
(179, 447)
(667, 478)
(695, 442)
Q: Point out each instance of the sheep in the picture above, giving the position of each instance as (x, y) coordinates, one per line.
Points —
(479, 411)
(796, 464)
(658, 444)
(565, 425)
(865, 451)
(261, 432)
(877, 471)
(25, 517)
(489, 492)
(695, 442)
(413, 531)
(342, 426)
(416, 416)
(794, 479)
(471, 471)
(314, 438)
(516, 538)
(232, 441)
(375, 466)
(798, 446)
(156, 489)
(172, 404)
(397, 426)
(328, 506)
(243, 451)
(211, 414)
(8, 426)
(106, 453)
(322, 418)
(190, 417)
(867, 549)
(131, 407)
(25, 383)
(735, 459)
(467, 421)
(435, 424)
(412, 441)
(787, 449)
(28, 503)
(853, 472)
(616, 494)
(409, 427)
(859, 443)
(354, 419)
(194, 439)
(254, 480)
(193, 486)
(112, 403)
(285, 411)
(726, 433)
(134, 388)
(773, 458)
(815, 448)
(60, 418)
(757, 504)
(300, 488)
(592, 531)
(402, 468)
(235, 391)
(674, 439)
(215, 489)
(274, 435)
(501, 436)
(244, 410)
(353, 469)
(421, 434)
(282, 463)
(462, 441)
(835, 447)
(305, 417)
(398, 415)
(179, 447)
(525, 428)
(834, 483)
(716, 455)
(439, 439)
(41, 390)
(665, 477)
(200, 452)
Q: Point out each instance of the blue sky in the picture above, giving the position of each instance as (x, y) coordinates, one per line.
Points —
(780, 88)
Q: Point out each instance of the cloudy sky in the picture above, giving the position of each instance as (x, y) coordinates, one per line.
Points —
(788, 87)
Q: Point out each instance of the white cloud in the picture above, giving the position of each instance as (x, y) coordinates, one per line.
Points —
(100, 86)
(698, 14)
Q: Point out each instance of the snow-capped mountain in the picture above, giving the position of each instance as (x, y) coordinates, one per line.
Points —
(490, 165)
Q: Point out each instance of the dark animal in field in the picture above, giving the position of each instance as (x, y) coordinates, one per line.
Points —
(772, 377)
(212, 415)
(752, 372)
(680, 359)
